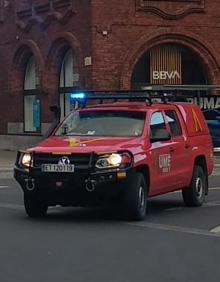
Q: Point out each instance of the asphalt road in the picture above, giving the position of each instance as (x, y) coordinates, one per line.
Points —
(174, 243)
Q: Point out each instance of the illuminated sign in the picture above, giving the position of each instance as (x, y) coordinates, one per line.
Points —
(163, 75)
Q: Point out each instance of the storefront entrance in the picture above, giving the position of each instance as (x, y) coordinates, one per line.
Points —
(168, 64)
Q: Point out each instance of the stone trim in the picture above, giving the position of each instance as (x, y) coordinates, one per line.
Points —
(23, 51)
(177, 8)
(44, 14)
(59, 46)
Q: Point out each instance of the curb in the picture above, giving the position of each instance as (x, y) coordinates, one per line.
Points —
(6, 174)
(6, 169)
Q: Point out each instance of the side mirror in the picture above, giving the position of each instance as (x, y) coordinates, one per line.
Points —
(56, 110)
(160, 135)
(64, 129)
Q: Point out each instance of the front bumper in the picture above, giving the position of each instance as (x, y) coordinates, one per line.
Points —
(78, 188)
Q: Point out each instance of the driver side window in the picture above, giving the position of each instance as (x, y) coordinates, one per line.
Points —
(156, 124)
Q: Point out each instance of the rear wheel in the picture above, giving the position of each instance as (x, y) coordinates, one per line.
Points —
(194, 195)
(34, 205)
(135, 197)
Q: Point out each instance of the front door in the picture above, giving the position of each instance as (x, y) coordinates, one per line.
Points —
(162, 160)
(180, 148)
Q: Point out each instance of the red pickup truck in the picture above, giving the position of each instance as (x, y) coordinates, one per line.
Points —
(121, 153)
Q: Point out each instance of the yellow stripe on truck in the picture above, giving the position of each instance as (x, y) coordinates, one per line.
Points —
(196, 121)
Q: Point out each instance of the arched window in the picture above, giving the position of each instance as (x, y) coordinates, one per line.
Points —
(66, 80)
(31, 98)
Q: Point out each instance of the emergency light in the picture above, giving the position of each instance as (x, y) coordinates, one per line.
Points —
(80, 95)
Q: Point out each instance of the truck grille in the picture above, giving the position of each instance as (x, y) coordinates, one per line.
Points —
(80, 161)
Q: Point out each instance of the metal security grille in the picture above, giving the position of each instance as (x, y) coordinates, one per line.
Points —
(165, 65)
(81, 161)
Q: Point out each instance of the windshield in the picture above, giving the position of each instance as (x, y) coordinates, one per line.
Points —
(98, 123)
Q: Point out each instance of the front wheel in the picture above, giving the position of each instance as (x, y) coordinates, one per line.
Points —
(135, 197)
(194, 195)
(34, 206)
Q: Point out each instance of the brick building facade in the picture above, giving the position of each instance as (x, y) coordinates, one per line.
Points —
(97, 44)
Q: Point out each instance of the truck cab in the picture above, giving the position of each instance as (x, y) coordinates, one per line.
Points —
(120, 153)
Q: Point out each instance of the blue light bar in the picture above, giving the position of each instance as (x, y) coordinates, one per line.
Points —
(78, 95)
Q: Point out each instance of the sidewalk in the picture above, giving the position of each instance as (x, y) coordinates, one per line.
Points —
(7, 160)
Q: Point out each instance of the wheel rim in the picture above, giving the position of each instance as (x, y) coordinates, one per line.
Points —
(141, 197)
(199, 187)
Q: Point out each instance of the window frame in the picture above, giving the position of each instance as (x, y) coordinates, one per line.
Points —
(163, 116)
(177, 120)
(64, 84)
(31, 92)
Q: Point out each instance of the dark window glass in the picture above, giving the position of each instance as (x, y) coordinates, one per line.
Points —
(32, 120)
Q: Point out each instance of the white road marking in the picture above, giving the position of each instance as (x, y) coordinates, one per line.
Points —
(215, 230)
(3, 187)
(175, 228)
(11, 206)
(211, 204)
(214, 188)
(173, 209)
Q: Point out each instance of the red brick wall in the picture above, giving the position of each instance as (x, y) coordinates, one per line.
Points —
(132, 28)
(132, 31)
(45, 36)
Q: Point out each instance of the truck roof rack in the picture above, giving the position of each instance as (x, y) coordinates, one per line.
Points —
(183, 87)
(149, 94)
(149, 89)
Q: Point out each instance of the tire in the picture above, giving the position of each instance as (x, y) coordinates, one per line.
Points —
(135, 197)
(34, 206)
(194, 196)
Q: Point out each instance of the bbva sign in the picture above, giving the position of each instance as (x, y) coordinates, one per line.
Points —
(164, 75)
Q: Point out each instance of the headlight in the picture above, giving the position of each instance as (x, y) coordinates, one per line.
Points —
(26, 160)
(114, 160)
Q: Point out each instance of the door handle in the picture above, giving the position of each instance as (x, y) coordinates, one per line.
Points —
(171, 150)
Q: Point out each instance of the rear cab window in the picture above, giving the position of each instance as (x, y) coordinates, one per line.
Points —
(173, 122)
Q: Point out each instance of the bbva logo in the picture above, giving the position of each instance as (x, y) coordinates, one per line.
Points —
(166, 75)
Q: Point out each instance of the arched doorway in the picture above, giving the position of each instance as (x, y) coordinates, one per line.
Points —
(169, 64)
